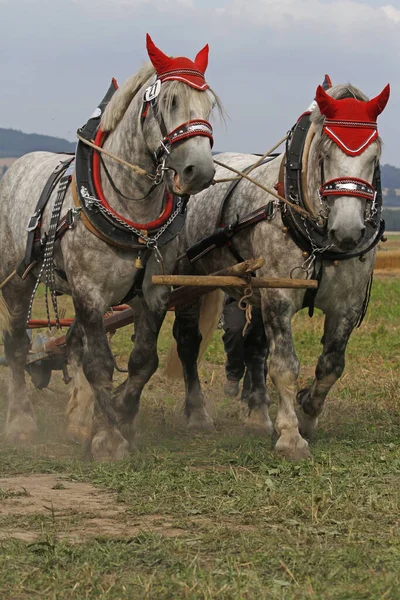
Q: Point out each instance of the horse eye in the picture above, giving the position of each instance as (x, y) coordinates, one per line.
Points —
(174, 102)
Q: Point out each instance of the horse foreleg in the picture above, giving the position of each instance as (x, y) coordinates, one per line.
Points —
(81, 403)
(143, 362)
(188, 340)
(20, 423)
(284, 370)
(107, 443)
(255, 354)
(330, 366)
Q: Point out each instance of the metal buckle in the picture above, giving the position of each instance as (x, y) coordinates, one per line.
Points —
(33, 222)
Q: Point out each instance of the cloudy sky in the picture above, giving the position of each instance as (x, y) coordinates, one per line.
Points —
(266, 58)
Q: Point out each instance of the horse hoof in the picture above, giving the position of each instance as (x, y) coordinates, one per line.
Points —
(307, 424)
(109, 445)
(21, 430)
(200, 421)
(258, 423)
(80, 434)
(294, 448)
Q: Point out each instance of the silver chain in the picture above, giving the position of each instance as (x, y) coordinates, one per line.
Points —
(151, 242)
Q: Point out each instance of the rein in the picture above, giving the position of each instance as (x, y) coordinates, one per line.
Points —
(135, 168)
(296, 208)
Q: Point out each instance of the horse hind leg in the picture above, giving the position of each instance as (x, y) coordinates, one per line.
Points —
(188, 338)
(106, 441)
(20, 423)
(80, 406)
(258, 421)
(329, 368)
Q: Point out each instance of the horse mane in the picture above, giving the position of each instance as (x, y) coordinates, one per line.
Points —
(118, 104)
(122, 98)
(324, 143)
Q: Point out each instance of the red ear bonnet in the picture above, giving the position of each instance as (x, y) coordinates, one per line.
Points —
(351, 123)
(325, 102)
(201, 60)
(377, 104)
(179, 68)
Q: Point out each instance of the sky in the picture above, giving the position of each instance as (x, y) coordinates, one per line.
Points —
(266, 58)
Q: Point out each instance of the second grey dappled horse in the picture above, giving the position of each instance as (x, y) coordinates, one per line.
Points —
(99, 275)
(341, 162)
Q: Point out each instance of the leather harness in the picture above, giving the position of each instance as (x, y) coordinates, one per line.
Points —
(103, 224)
(223, 234)
(307, 233)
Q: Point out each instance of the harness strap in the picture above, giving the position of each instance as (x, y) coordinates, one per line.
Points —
(222, 235)
(33, 226)
(47, 268)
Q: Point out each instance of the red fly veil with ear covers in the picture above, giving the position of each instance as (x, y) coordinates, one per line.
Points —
(351, 123)
(179, 68)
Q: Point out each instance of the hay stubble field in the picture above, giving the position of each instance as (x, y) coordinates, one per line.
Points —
(216, 515)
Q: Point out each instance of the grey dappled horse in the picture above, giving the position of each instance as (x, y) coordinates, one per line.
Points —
(341, 292)
(99, 275)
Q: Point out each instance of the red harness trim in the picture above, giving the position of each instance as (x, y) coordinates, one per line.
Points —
(98, 140)
(348, 186)
(196, 127)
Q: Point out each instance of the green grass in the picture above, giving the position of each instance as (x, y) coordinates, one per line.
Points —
(244, 523)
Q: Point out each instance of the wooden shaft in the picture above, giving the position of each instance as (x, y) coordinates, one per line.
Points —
(186, 294)
(231, 281)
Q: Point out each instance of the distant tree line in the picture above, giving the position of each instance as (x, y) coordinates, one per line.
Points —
(392, 219)
(390, 177)
(15, 143)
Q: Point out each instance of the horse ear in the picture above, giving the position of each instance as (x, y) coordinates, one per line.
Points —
(327, 82)
(376, 105)
(326, 104)
(159, 60)
(201, 60)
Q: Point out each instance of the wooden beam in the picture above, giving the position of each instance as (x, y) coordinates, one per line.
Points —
(186, 294)
(231, 281)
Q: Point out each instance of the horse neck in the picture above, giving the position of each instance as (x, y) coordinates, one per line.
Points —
(127, 142)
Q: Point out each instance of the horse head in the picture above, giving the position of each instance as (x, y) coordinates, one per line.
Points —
(346, 152)
(176, 109)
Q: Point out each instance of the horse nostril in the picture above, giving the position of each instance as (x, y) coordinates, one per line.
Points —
(346, 242)
(189, 172)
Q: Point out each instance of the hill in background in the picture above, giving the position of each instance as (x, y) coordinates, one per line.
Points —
(14, 144)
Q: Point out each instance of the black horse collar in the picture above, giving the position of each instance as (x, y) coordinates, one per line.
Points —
(111, 227)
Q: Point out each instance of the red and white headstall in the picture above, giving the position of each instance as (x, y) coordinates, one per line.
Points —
(352, 125)
(177, 69)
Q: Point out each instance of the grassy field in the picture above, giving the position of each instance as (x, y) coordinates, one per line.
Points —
(216, 515)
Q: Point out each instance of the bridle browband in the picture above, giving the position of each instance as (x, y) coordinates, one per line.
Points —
(347, 186)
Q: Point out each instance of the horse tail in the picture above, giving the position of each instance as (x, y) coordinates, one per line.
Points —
(210, 311)
(5, 316)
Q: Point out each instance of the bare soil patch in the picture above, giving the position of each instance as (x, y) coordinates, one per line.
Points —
(80, 510)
